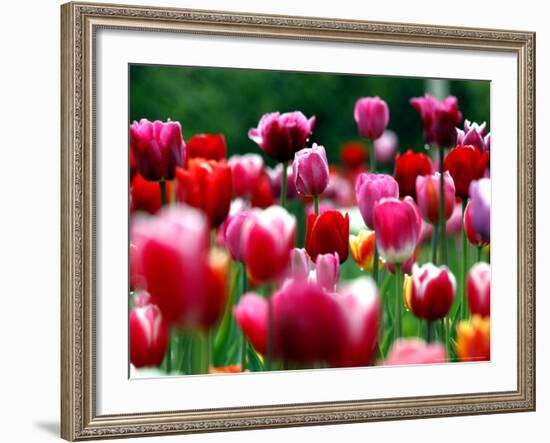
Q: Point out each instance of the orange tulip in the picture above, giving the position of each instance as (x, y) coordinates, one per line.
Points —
(473, 342)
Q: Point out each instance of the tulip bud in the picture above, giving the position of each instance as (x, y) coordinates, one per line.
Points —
(267, 238)
(408, 167)
(145, 194)
(246, 171)
(372, 116)
(480, 196)
(370, 188)
(414, 351)
(473, 339)
(439, 118)
(397, 229)
(231, 230)
(473, 134)
(327, 270)
(207, 146)
(427, 196)
(328, 233)
(465, 164)
(362, 249)
(432, 291)
(157, 148)
(299, 264)
(310, 170)
(385, 147)
(280, 136)
(478, 289)
(148, 336)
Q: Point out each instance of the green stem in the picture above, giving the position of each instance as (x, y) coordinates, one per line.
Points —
(375, 263)
(372, 158)
(435, 234)
(163, 197)
(169, 353)
(205, 341)
(430, 331)
(445, 328)
(479, 250)
(398, 302)
(283, 185)
(442, 221)
(243, 337)
(464, 268)
(316, 204)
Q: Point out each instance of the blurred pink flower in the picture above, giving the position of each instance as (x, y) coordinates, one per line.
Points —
(372, 116)
(478, 289)
(414, 351)
(385, 147)
(427, 196)
(327, 270)
(246, 171)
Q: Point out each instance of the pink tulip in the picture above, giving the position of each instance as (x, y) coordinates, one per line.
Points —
(280, 136)
(251, 314)
(480, 198)
(432, 291)
(385, 147)
(397, 229)
(454, 223)
(136, 278)
(157, 148)
(148, 335)
(369, 189)
(372, 116)
(267, 238)
(231, 230)
(414, 351)
(478, 288)
(360, 305)
(184, 280)
(327, 270)
(310, 170)
(299, 264)
(246, 171)
(427, 196)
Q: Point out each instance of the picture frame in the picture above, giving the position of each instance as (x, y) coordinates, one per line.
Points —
(80, 23)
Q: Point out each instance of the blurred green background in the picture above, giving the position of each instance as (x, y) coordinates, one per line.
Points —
(230, 101)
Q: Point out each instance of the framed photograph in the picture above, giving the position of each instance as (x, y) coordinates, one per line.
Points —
(277, 221)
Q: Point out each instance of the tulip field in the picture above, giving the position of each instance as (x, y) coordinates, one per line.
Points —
(255, 245)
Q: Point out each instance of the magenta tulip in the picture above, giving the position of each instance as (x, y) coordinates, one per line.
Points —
(385, 147)
(280, 136)
(439, 119)
(231, 230)
(414, 351)
(369, 189)
(473, 237)
(246, 171)
(251, 315)
(397, 229)
(474, 135)
(432, 291)
(480, 197)
(327, 270)
(478, 288)
(427, 196)
(310, 169)
(157, 148)
(267, 238)
(372, 116)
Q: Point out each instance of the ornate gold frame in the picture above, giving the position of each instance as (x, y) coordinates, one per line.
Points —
(79, 22)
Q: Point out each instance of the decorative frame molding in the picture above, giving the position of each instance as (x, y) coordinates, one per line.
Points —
(79, 22)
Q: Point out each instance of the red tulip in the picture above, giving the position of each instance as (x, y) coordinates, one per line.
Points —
(251, 314)
(372, 116)
(148, 336)
(413, 351)
(183, 279)
(328, 233)
(408, 167)
(207, 146)
(145, 194)
(478, 288)
(280, 136)
(206, 185)
(465, 163)
(354, 155)
(427, 196)
(439, 118)
(157, 148)
(432, 291)
(246, 172)
(267, 238)
(398, 226)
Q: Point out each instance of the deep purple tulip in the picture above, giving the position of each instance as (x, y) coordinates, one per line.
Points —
(439, 119)
(327, 270)
(474, 135)
(369, 188)
(157, 148)
(480, 197)
(372, 116)
(280, 136)
(310, 169)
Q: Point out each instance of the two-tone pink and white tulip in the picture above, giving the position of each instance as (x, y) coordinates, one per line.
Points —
(310, 169)
(246, 171)
(327, 270)
(300, 264)
(369, 189)
(478, 289)
(372, 116)
(427, 196)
